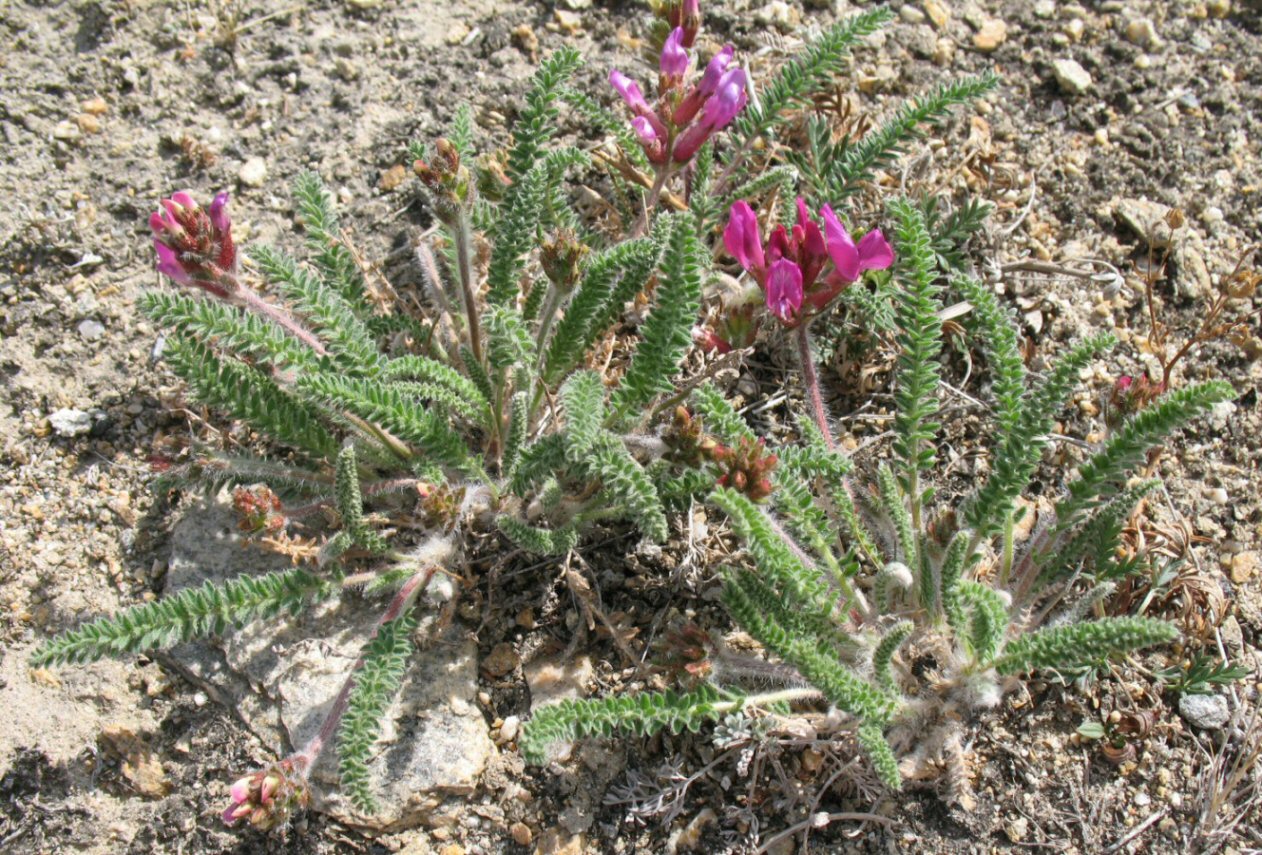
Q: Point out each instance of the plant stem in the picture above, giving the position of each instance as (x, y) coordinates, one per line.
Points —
(305, 759)
(655, 193)
(462, 231)
(280, 316)
(811, 379)
(546, 315)
(1005, 568)
(853, 595)
(768, 698)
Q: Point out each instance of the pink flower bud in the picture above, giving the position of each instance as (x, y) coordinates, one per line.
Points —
(784, 290)
(742, 240)
(219, 212)
(644, 130)
(169, 264)
(708, 85)
(674, 61)
(727, 101)
(240, 790)
(629, 90)
(714, 71)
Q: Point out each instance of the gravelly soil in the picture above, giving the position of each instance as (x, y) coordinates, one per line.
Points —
(107, 106)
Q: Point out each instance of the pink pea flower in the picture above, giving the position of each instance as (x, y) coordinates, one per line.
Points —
(649, 138)
(194, 246)
(706, 87)
(743, 242)
(784, 289)
(808, 249)
(872, 253)
(683, 117)
(674, 61)
(630, 92)
(644, 130)
(717, 112)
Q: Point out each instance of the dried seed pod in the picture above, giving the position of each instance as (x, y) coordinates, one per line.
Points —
(1137, 724)
(1117, 755)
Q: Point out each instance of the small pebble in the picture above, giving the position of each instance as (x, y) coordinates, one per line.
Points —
(911, 14)
(570, 22)
(992, 34)
(510, 728)
(1142, 32)
(1072, 77)
(67, 131)
(1244, 566)
(938, 13)
(70, 422)
(253, 172)
(522, 835)
(91, 330)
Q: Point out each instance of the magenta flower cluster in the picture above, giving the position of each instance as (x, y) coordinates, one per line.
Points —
(194, 246)
(789, 268)
(684, 117)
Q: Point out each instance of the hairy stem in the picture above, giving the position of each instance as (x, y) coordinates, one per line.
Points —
(546, 315)
(278, 315)
(655, 193)
(462, 229)
(811, 379)
(788, 695)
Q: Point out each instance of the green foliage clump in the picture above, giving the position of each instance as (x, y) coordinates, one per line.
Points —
(835, 588)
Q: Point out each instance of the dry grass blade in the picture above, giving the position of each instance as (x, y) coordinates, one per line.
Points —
(1230, 787)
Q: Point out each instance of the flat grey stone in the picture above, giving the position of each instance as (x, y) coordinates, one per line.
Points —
(1204, 712)
(70, 422)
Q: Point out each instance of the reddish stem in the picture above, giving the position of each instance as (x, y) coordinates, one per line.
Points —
(811, 378)
(305, 759)
(282, 317)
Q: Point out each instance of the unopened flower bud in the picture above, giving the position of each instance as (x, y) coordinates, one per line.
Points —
(561, 257)
(674, 60)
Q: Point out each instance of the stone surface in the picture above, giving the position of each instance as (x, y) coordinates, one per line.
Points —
(91, 330)
(1244, 566)
(1194, 280)
(1141, 32)
(992, 34)
(70, 422)
(939, 13)
(1146, 219)
(253, 172)
(1072, 78)
(1204, 712)
(281, 676)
